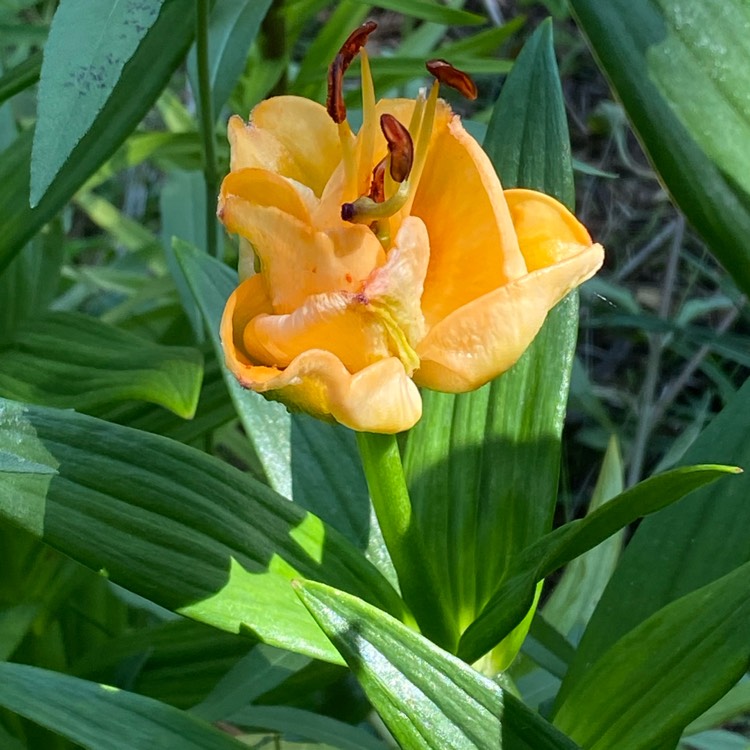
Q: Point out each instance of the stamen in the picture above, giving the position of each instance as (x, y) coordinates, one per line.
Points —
(349, 49)
(377, 186)
(335, 98)
(453, 77)
(400, 147)
(367, 132)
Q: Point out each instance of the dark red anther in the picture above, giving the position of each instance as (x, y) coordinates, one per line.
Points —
(453, 77)
(377, 186)
(349, 50)
(400, 146)
(335, 97)
(355, 41)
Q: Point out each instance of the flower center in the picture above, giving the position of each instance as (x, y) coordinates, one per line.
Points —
(391, 185)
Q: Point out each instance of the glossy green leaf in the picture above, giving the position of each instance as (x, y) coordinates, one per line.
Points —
(527, 137)
(733, 705)
(483, 467)
(307, 460)
(427, 698)
(256, 673)
(176, 526)
(143, 77)
(681, 69)
(232, 28)
(647, 686)
(681, 548)
(575, 596)
(87, 48)
(176, 661)
(97, 716)
(71, 360)
(308, 726)
(573, 539)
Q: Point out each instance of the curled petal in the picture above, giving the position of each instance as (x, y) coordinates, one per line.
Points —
(379, 398)
(484, 338)
(473, 246)
(298, 261)
(547, 232)
(289, 135)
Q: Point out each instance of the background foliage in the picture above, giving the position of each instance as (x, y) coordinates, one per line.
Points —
(170, 621)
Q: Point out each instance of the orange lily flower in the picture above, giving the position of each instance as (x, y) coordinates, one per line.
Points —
(387, 260)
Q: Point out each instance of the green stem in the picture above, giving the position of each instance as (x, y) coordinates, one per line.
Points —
(207, 125)
(381, 460)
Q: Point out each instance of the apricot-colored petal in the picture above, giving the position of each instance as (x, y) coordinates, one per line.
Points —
(340, 323)
(298, 261)
(246, 302)
(484, 338)
(547, 232)
(380, 398)
(264, 188)
(473, 247)
(289, 135)
(381, 321)
(396, 287)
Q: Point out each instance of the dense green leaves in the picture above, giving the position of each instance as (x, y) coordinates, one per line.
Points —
(97, 716)
(174, 525)
(644, 689)
(75, 361)
(483, 467)
(428, 698)
(680, 68)
(141, 81)
(681, 548)
(567, 542)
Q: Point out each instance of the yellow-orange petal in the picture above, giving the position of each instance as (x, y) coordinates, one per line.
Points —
(246, 302)
(298, 261)
(340, 323)
(380, 321)
(264, 188)
(473, 246)
(380, 398)
(289, 135)
(547, 232)
(485, 337)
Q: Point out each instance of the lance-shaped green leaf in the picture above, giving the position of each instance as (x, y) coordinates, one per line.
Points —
(310, 726)
(566, 543)
(75, 361)
(680, 549)
(96, 716)
(483, 467)
(309, 461)
(141, 81)
(87, 48)
(428, 699)
(681, 69)
(176, 525)
(429, 10)
(643, 690)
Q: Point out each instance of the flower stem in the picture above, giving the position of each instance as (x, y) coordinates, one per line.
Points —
(207, 124)
(381, 461)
